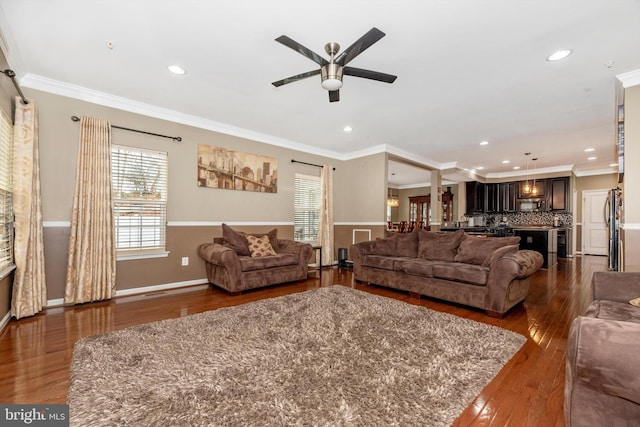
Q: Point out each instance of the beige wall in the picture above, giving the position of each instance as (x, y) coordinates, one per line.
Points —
(631, 184)
(359, 191)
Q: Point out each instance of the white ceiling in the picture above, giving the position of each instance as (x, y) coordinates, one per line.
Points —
(467, 70)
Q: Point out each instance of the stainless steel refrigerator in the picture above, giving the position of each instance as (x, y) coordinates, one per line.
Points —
(613, 210)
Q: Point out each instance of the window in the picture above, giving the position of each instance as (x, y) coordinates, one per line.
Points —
(6, 194)
(307, 208)
(140, 199)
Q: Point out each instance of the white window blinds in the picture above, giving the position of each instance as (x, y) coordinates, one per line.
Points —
(306, 208)
(6, 192)
(140, 198)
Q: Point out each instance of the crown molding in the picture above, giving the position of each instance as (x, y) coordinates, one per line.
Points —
(632, 78)
(81, 93)
(593, 172)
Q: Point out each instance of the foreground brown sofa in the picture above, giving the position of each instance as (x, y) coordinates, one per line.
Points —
(229, 263)
(602, 383)
(487, 273)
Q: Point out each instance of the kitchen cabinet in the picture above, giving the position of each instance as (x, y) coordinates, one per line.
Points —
(475, 197)
(507, 200)
(558, 194)
(540, 186)
(492, 198)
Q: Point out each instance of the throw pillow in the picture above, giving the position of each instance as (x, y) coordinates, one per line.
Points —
(260, 246)
(235, 240)
(476, 250)
(439, 246)
(635, 302)
(273, 237)
(386, 247)
(407, 244)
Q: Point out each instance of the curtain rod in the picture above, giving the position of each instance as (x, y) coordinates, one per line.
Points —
(305, 163)
(12, 75)
(175, 138)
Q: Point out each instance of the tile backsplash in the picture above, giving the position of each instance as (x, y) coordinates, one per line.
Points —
(530, 218)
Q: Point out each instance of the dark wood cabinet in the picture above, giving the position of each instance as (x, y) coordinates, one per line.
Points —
(508, 197)
(475, 197)
(420, 208)
(558, 194)
(492, 198)
(540, 189)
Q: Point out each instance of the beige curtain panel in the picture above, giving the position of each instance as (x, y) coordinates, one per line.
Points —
(325, 224)
(91, 269)
(29, 293)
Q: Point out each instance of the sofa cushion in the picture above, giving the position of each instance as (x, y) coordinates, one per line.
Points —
(260, 246)
(415, 266)
(378, 261)
(467, 273)
(235, 240)
(248, 263)
(478, 250)
(273, 237)
(613, 310)
(386, 247)
(438, 246)
(407, 244)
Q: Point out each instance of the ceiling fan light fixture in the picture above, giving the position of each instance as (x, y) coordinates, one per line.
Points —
(331, 75)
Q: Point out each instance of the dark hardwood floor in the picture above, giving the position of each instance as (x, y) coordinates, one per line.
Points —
(35, 353)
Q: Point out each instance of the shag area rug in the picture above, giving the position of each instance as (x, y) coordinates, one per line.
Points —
(333, 356)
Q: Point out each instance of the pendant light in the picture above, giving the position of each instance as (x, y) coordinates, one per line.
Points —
(534, 189)
(527, 188)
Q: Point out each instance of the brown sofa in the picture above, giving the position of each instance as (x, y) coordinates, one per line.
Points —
(231, 266)
(488, 273)
(602, 383)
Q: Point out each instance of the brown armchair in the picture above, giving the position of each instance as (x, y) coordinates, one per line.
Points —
(602, 385)
(236, 272)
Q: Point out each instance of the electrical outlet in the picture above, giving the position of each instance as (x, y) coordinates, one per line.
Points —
(185, 261)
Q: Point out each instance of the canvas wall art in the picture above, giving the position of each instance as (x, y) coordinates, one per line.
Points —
(235, 170)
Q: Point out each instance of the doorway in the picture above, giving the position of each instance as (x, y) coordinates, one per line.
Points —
(595, 240)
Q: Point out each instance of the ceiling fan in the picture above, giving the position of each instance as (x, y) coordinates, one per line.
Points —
(331, 71)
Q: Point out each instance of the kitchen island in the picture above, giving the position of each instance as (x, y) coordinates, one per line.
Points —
(543, 239)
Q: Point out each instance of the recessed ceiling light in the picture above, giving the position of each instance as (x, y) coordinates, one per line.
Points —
(588, 150)
(347, 129)
(480, 168)
(613, 165)
(515, 168)
(176, 69)
(506, 162)
(561, 54)
(592, 158)
(484, 143)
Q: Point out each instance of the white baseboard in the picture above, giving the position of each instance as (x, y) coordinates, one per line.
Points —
(4, 321)
(142, 290)
(155, 288)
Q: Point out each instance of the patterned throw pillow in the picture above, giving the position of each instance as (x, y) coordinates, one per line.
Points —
(260, 246)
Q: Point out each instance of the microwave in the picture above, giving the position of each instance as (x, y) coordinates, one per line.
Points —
(532, 205)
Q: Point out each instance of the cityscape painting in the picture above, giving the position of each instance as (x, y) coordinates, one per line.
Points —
(235, 170)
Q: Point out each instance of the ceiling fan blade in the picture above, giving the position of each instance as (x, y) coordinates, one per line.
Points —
(364, 42)
(368, 74)
(295, 78)
(302, 50)
(334, 95)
